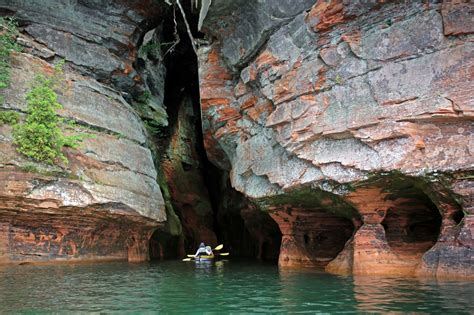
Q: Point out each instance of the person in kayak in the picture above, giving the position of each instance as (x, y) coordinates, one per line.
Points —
(203, 250)
(209, 251)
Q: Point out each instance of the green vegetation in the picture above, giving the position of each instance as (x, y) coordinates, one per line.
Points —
(9, 117)
(154, 119)
(154, 128)
(150, 47)
(46, 170)
(8, 34)
(39, 137)
(173, 224)
(30, 168)
(144, 98)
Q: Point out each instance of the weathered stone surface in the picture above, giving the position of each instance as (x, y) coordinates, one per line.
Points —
(105, 203)
(309, 237)
(357, 95)
(115, 169)
(252, 26)
(457, 17)
(99, 38)
(84, 100)
(50, 219)
(350, 123)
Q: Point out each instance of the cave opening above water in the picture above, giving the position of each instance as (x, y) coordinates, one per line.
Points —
(412, 225)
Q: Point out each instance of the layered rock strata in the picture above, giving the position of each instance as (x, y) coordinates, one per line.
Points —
(104, 203)
(335, 116)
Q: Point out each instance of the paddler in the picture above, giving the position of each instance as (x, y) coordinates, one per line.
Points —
(203, 250)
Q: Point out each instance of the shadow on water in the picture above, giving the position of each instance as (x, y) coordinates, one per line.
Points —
(220, 287)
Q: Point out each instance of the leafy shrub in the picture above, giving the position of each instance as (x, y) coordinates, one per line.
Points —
(8, 34)
(9, 117)
(144, 98)
(40, 136)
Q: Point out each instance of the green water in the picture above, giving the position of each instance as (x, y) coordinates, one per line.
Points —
(223, 287)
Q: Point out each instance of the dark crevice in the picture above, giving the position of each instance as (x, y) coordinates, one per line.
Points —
(181, 89)
(306, 239)
(247, 231)
(458, 216)
(208, 208)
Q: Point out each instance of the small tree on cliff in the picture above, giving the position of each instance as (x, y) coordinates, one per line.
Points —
(39, 136)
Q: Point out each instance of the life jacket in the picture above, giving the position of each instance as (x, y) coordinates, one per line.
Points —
(201, 251)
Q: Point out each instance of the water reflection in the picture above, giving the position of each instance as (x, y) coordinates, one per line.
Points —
(378, 294)
(222, 287)
(310, 290)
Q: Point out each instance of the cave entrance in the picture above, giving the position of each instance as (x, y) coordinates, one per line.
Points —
(329, 239)
(251, 232)
(162, 245)
(322, 235)
(413, 224)
(316, 225)
(208, 208)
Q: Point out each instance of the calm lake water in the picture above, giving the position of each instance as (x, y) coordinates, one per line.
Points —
(222, 287)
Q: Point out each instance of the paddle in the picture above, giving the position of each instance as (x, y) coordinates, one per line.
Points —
(218, 247)
(192, 256)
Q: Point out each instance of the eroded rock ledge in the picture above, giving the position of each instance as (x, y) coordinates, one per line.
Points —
(352, 125)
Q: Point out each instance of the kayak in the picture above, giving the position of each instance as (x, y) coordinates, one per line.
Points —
(204, 258)
(209, 258)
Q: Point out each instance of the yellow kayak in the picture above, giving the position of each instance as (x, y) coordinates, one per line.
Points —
(204, 258)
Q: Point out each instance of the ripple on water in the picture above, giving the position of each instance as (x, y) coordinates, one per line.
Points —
(174, 286)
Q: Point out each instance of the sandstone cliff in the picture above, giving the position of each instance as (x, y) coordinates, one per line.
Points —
(105, 203)
(351, 124)
(347, 124)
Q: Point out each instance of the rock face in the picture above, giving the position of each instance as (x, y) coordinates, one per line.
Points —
(352, 125)
(345, 126)
(106, 203)
(189, 193)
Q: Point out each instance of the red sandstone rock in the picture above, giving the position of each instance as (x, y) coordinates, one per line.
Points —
(308, 236)
(457, 17)
(374, 107)
(104, 205)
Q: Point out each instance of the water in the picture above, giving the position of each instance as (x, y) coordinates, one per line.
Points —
(223, 287)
